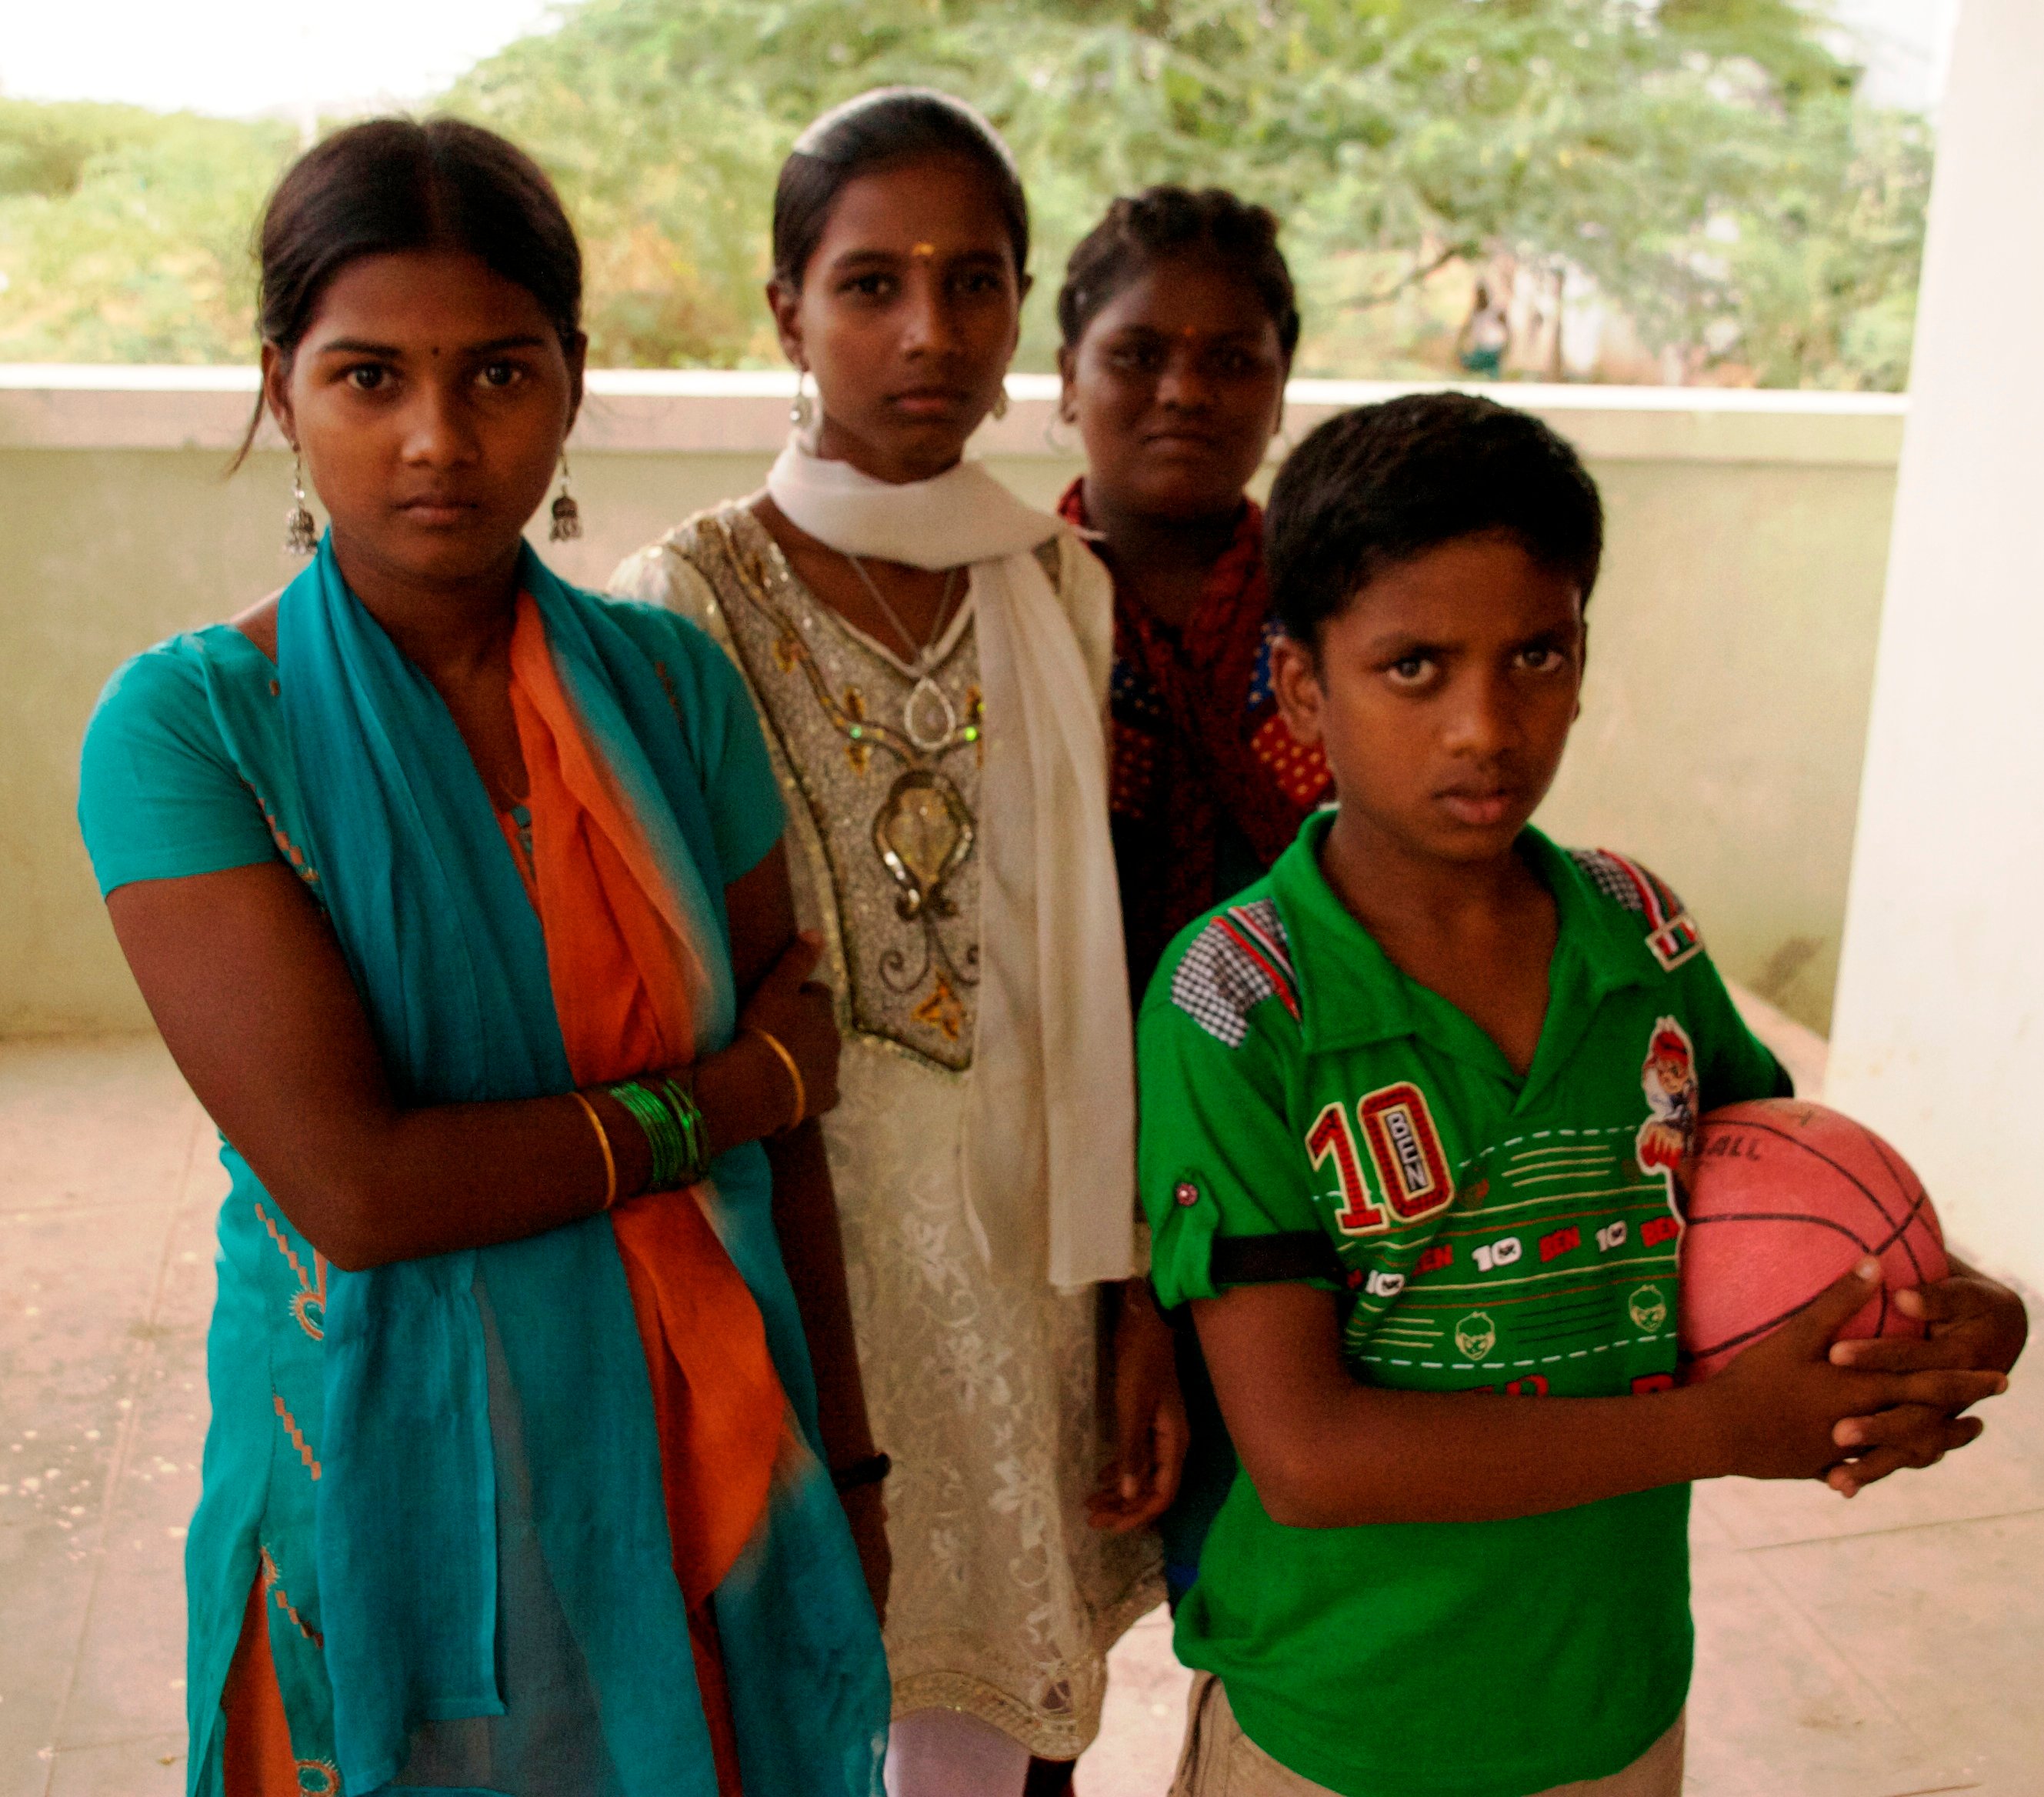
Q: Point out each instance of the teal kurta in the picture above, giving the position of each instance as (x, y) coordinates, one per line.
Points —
(188, 768)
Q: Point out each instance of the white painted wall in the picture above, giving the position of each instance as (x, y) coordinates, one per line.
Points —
(1732, 634)
(1938, 1038)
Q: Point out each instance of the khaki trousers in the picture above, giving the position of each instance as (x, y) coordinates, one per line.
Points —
(1219, 1761)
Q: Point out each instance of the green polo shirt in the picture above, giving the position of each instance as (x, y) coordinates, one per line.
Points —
(1309, 1112)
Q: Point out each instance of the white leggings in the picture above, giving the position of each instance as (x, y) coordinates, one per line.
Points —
(948, 1753)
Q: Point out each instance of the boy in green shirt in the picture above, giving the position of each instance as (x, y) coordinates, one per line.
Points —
(1413, 1107)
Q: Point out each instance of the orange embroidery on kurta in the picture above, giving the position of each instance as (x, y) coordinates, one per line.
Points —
(297, 1438)
(312, 1292)
(273, 1582)
(290, 849)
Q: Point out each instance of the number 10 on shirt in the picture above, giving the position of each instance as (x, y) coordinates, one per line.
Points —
(1405, 1148)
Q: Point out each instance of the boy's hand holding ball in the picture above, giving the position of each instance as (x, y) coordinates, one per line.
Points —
(1777, 1195)
(1969, 1320)
(1785, 1406)
(1970, 1323)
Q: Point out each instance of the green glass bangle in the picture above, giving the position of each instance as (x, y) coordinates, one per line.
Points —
(633, 1098)
(663, 1135)
(672, 1122)
(687, 1118)
(677, 1142)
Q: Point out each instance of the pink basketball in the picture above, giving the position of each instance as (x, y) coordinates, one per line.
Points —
(1783, 1198)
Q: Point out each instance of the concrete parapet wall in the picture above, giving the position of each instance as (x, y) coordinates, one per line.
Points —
(1732, 637)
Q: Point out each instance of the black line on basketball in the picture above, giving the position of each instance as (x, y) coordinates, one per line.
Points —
(1896, 1167)
(1760, 1328)
(1916, 1206)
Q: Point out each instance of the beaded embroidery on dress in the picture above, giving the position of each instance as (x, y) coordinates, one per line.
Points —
(983, 1383)
(896, 818)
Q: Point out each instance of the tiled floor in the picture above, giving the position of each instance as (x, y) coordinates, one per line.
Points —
(1892, 1646)
(107, 1190)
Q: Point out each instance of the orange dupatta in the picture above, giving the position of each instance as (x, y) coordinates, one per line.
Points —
(619, 964)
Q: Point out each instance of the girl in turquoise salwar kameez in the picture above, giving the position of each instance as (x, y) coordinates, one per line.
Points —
(458, 895)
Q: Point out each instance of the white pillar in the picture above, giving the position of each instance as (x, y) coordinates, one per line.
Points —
(1937, 1040)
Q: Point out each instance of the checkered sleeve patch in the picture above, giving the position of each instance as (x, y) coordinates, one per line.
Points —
(1242, 958)
(1671, 934)
(1626, 881)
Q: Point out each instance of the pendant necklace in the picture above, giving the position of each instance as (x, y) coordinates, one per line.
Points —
(927, 703)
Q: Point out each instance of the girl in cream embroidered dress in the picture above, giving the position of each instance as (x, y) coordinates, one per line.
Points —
(981, 1378)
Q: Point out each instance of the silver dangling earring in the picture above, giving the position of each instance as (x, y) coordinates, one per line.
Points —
(566, 525)
(1054, 438)
(801, 412)
(300, 531)
(1000, 401)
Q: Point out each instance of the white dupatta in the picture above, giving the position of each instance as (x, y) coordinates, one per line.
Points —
(1050, 1145)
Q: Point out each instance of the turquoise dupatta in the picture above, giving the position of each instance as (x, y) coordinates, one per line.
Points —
(448, 954)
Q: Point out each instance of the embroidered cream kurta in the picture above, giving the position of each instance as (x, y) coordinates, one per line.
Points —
(984, 1384)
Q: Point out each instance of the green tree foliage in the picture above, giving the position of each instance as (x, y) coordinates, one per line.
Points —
(124, 234)
(1706, 161)
(1707, 164)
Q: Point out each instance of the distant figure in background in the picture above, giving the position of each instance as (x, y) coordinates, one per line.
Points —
(458, 896)
(1179, 323)
(929, 657)
(1486, 337)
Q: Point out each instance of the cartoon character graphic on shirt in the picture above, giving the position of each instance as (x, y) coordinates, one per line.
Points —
(1668, 1076)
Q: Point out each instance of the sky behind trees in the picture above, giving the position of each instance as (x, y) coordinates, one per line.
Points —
(237, 59)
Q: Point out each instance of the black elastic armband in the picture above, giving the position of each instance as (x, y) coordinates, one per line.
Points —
(869, 1471)
(1292, 1255)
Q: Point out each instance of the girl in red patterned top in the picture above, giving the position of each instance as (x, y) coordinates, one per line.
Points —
(1179, 323)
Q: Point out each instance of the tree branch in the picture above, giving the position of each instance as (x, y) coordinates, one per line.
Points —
(1410, 280)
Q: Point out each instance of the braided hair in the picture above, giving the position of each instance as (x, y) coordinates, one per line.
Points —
(1164, 222)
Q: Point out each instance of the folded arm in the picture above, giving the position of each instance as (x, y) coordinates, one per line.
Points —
(248, 986)
(1324, 1451)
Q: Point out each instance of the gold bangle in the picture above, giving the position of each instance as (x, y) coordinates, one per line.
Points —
(602, 1142)
(794, 1072)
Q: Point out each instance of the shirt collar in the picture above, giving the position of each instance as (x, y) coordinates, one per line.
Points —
(1351, 995)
